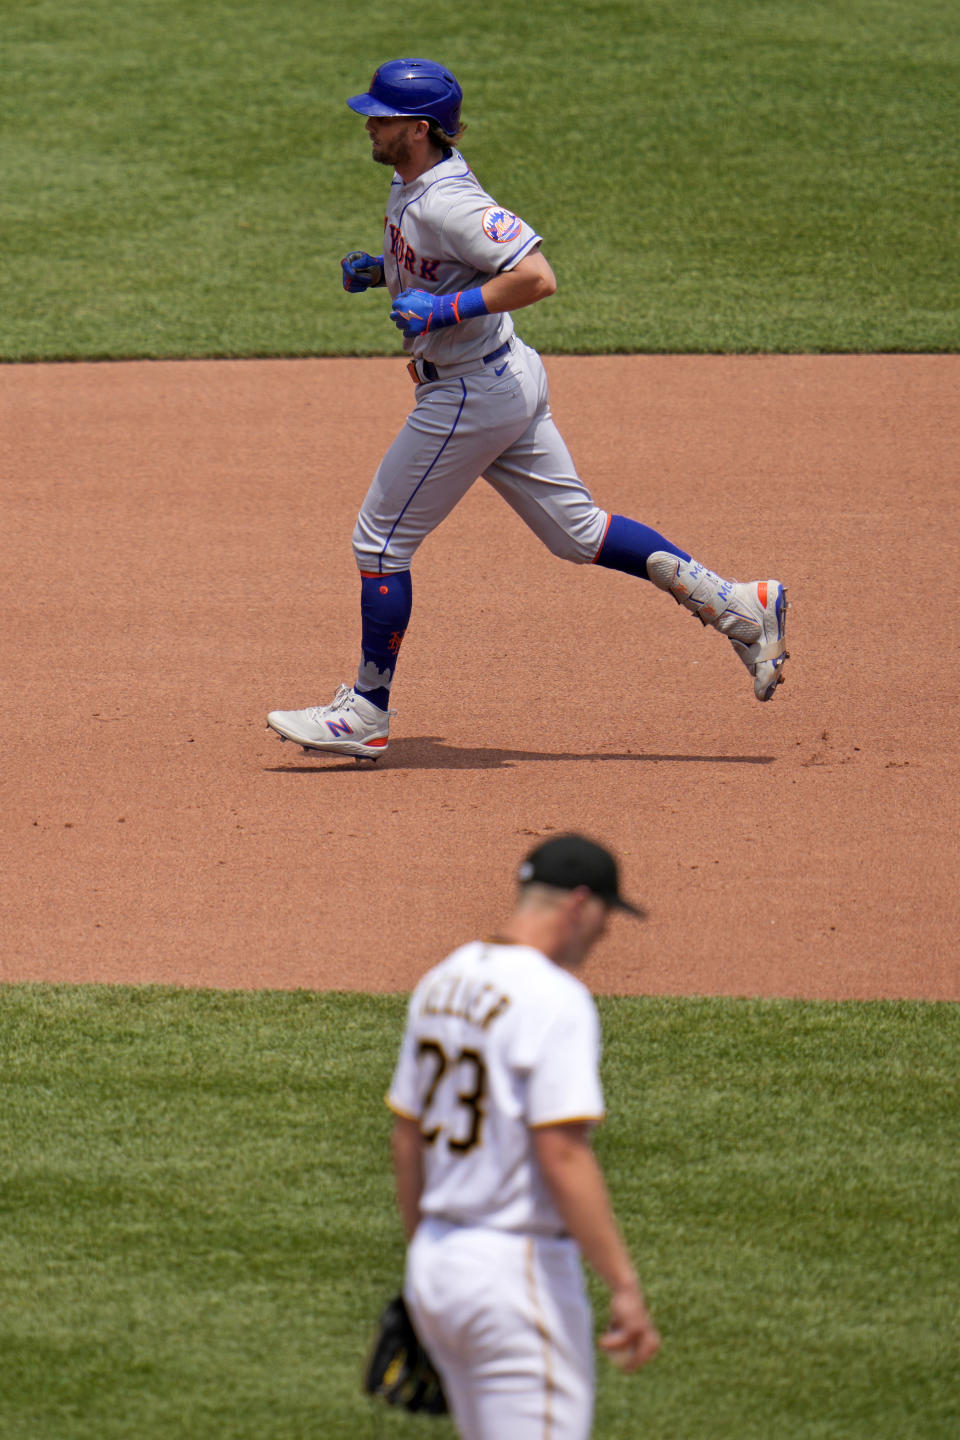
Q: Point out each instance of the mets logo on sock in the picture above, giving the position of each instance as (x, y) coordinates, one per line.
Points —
(501, 225)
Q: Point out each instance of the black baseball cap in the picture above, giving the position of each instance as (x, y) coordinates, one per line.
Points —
(568, 861)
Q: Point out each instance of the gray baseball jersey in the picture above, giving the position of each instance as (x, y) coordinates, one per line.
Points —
(444, 233)
(485, 410)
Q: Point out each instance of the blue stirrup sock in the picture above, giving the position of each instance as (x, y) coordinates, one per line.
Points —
(385, 605)
(628, 544)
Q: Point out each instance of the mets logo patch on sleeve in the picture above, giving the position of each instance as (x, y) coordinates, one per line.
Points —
(501, 225)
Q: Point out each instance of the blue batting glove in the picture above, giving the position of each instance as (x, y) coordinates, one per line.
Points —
(413, 312)
(416, 312)
(361, 271)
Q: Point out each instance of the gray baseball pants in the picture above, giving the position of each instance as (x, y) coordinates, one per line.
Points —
(492, 420)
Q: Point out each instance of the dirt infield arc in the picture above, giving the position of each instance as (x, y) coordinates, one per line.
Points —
(178, 562)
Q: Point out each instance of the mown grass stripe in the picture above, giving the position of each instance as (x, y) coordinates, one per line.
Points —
(181, 178)
(198, 1226)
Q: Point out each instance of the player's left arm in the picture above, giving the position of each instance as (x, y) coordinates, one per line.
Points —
(406, 1145)
(416, 312)
(574, 1178)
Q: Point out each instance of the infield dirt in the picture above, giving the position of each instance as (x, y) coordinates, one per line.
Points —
(178, 563)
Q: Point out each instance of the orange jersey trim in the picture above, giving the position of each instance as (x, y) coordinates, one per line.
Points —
(602, 538)
(402, 1114)
(569, 1120)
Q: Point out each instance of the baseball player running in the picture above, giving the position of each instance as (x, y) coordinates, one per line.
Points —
(495, 1092)
(456, 264)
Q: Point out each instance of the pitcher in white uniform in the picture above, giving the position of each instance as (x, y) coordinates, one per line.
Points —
(455, 264)
(495, 1093)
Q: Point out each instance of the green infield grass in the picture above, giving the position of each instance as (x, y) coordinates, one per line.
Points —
(181, 177)
(198, 1229)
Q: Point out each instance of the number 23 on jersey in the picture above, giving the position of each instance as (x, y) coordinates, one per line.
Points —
(454, 1110)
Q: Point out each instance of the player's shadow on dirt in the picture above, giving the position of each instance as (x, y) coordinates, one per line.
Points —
(428, 752)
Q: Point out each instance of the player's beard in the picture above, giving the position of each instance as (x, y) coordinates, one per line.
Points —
(393, 152)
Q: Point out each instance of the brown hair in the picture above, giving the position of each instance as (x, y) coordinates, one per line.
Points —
(441, 138)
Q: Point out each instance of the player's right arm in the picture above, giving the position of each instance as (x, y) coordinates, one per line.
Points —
(406, 1144)
(579, 1191)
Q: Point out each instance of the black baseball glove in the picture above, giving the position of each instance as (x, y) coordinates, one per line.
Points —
(399, 1370)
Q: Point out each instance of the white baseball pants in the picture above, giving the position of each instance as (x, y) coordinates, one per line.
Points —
(508, 1324)
(497, 425)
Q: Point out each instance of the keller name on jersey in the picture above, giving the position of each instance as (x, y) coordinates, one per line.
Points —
(464, 998)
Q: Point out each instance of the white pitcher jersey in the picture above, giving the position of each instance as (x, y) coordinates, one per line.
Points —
(443, 233)
(499, 1040)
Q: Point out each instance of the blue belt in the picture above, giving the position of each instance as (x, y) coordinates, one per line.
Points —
(424, 371)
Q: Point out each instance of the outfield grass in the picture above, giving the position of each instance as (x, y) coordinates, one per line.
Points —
(197, 1222)
(182, 176)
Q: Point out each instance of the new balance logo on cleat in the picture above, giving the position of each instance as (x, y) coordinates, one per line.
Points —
(351, 726)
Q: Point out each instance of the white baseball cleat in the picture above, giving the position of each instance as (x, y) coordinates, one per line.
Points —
(752, 614)
(349, 726)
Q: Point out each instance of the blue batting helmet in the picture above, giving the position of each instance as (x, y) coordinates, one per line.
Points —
(418, 88)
